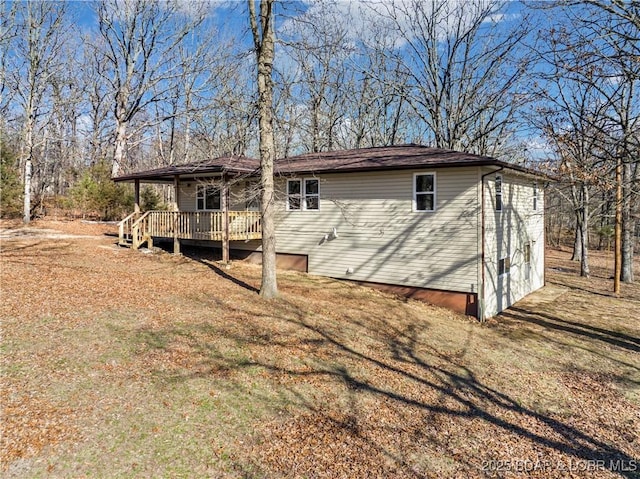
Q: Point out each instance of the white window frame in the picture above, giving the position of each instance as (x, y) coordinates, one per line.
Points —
(506, 269)
(527, 251)
(303, 194)
(310, 195)
(499, 193)
(289, 195)
(201, 194)
(416, 193)
(535, 196)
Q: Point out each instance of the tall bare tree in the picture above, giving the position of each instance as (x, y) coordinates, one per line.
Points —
(37, 53)
(570, 116)
(377, 103)
(140, 39)
(594, 47)
(262, 29)
(8, 33)
(464, 63)
(620, 23)
(95, 93)
(319, 43)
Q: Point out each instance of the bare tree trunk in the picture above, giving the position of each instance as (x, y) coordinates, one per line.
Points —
(584, 231)
(264, 39)
(27, 165)
(27, 191)
(120, 144)
(603, 223)
(560, 227)
(628, 226)
(618, 229)
(577, 242)
(578, 205)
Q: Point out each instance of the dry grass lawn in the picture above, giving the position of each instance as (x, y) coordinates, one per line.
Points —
(117, 363)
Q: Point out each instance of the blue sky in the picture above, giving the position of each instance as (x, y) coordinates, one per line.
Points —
(231, 17)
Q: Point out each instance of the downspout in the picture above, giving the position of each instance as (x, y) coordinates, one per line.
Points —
(482, 254)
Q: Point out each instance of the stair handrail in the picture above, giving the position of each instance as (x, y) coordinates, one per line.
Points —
(123, 223)
(135, 231)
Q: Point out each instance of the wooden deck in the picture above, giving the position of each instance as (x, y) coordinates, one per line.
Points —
(138, 228)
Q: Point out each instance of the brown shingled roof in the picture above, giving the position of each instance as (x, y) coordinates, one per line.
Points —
(362, 159)
(223, 164)
(380, 158)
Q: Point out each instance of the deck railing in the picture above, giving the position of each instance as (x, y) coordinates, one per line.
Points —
(191, 225)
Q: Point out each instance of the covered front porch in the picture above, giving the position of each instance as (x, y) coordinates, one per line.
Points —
(203, 210)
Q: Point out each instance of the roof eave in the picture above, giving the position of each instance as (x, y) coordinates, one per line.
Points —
(169, 177)
(450, 164)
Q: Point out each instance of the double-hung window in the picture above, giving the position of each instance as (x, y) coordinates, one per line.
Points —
(294, 195)
(527, 260)
(498, 192)
(535, 195)
(303, 194)
(424, 192)
(311, 194)
(504, 265)
(207, 198)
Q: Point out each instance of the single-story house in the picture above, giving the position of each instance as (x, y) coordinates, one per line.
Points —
(455, 229)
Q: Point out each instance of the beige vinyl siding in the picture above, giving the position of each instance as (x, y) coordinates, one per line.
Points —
(506, 235)
(380, 238)
(187, 194)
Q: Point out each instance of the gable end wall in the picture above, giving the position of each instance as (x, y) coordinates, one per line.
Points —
(506, 235)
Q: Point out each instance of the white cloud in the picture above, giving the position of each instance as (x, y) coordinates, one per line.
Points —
(365, 18)
(502, 17)
(538, 148)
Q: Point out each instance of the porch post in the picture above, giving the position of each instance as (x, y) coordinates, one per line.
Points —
(224, 200)
(176, 192)
(176, 215)
(136, 195)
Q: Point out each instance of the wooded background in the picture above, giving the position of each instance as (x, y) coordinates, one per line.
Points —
(92, 90)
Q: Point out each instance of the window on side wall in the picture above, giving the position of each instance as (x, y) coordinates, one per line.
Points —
(535, 195)
(207, 198)
(311, 194)
(424, 192)
(303, 194)
(498, 192)
(527, 260)
(294, 195)
(504, 265)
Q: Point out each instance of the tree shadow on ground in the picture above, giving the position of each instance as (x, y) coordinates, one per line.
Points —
(587, 331)
(446, 388)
